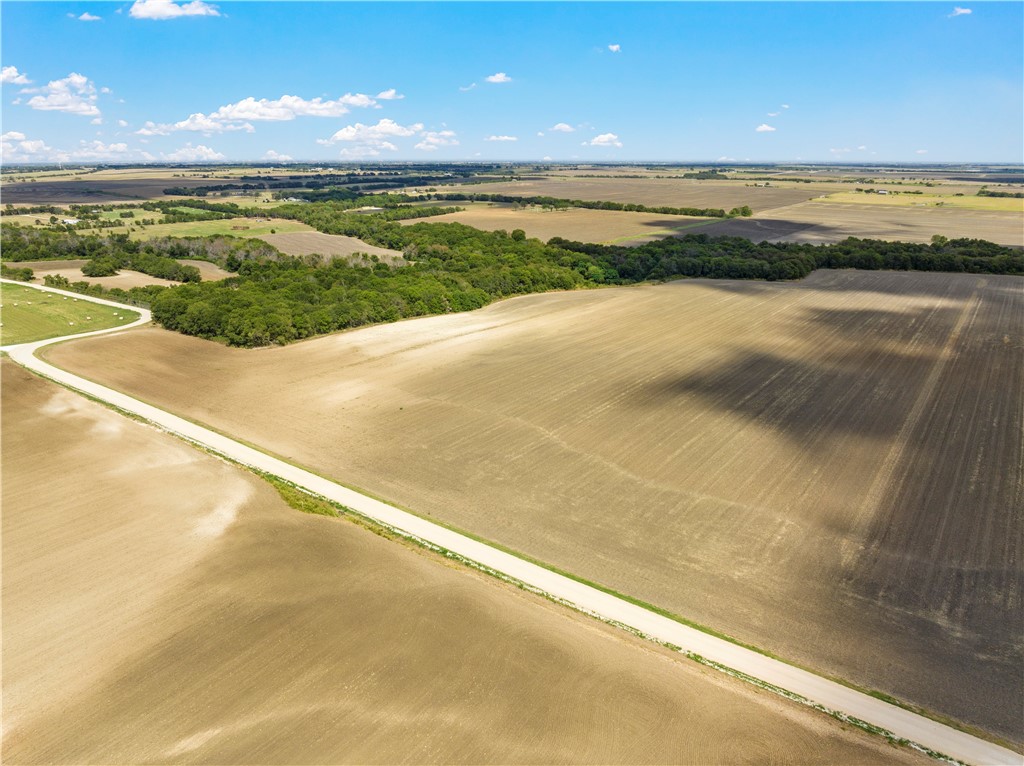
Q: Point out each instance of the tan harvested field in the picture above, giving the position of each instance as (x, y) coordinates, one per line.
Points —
(820, 222)
(72, 269)
(335, 245)
(210, 272)
(657, 191)
(146, 624)
(831, 469)
(577, 224)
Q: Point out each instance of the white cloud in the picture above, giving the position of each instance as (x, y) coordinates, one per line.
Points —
(205, 124)
(289, 107)
(723, 158)
(763, 128)
(97, 150)
(367, 151)
(389, 95)
(272, 155)
(468, 87)
(921, 151)
(166, 9)
(773, 114)
(433, 139)
(960, 12)
(189, 153)
(150, 128)
(605, 139)
(540, 133)
(862, 148)
(75, 94)
(122, 123)
(546, 158)
(502, 138)
(498, 77)
(785, 106)
(231, 117)
(88, 17)
(15, 147)
(562, 127)
(615, 48)
(844, 150)
(96, 121)
(10, 74)
(370, 140)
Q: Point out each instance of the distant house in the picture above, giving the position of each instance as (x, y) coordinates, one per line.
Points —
(70, 221)
(368, 209)
(882, 191)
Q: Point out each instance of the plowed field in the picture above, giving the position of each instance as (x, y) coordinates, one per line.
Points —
(657, 191)
(143, 623)
(578, 224)
(831, 469)
(820, 222)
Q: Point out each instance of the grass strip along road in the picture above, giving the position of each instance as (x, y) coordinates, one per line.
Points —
(834, 698)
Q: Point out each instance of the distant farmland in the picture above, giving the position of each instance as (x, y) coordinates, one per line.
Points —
(656, 191)
(579, 224)
(145, 624)
(822, 222)
(831, 469)
(331, 245)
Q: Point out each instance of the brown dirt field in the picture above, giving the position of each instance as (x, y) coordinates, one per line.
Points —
(210, 272)
(657, 191)
(577, 224)
(96, 189)
(818, 222)
(142, 623)
(831, 470)
(336, 245)
(72, 269)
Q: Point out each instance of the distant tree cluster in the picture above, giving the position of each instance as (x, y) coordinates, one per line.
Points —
(698, 255)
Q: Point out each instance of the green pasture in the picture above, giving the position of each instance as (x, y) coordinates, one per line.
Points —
(248, 227)
(28, 315)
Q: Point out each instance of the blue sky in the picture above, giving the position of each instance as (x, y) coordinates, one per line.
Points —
(765, 81)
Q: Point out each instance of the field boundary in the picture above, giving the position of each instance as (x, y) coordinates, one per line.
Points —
(850, 705)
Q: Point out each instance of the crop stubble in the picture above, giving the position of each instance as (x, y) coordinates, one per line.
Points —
(754, 457)
(146, 624)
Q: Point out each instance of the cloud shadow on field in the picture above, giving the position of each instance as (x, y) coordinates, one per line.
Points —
(827, 395)
(933, 556)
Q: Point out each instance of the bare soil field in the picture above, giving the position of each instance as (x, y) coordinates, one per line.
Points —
(72, 269)
(657, 191)
(577, 224)
(831, 470)
(145, 624)
(95, 189)
(210, 272)
(820, 222)
(334, 245)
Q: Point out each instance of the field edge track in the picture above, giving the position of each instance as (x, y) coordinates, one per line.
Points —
(858, 708)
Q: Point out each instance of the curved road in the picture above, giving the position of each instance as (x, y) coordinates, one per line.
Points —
(929, 734)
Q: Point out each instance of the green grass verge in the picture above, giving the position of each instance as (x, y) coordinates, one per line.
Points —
(29, 315)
